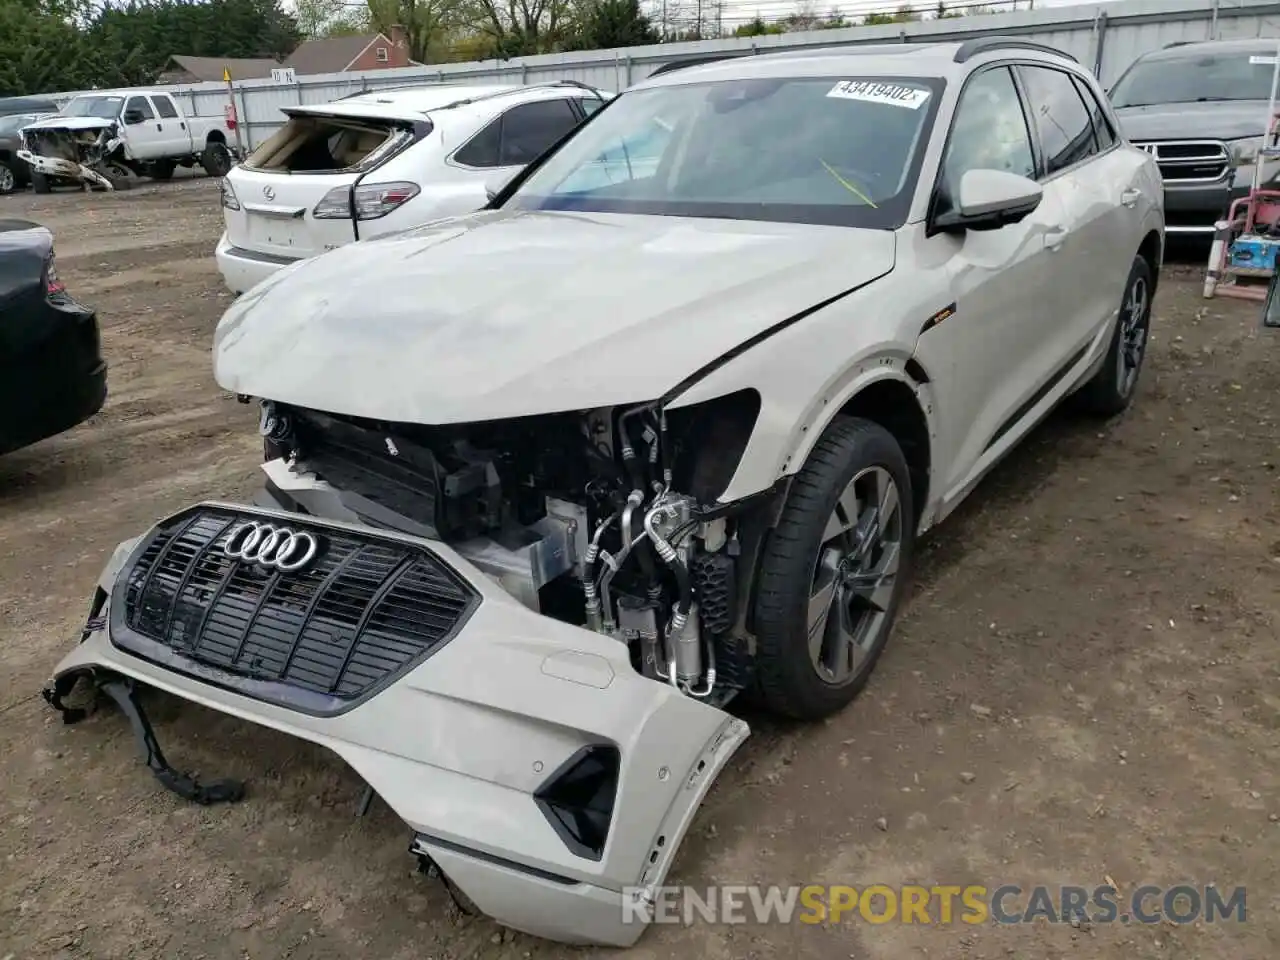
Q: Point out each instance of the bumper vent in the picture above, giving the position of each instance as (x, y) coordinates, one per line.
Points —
(361, 613)
(577, 799)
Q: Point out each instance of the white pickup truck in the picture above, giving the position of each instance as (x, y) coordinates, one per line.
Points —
(102, 139)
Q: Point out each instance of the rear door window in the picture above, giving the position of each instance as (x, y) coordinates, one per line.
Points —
(529, 129)
(1066, 132)
(520, 135)
(1102, 130)
(165, 107)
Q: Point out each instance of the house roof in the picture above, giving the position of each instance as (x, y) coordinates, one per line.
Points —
(331, 55)
(210, 68)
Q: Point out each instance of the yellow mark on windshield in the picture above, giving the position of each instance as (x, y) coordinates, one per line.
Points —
(846, 184)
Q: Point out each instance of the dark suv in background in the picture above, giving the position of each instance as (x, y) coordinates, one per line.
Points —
(1201, 109)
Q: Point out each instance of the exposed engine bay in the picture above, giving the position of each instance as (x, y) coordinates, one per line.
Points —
(87, 154)
(605, 519)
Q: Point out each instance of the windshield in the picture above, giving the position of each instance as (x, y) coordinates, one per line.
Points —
(1194, 79)
(831, 150)
(108, 108)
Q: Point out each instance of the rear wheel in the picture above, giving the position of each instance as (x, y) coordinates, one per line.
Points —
(40, 183)
(8, 178)
(216, 159)
(1111, 389)
(834, 571)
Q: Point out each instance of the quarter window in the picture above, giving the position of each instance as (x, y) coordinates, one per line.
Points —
(989, 133)
(1066, 133)
(165, 107)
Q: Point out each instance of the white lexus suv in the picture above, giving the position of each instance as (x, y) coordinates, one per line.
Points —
(378, 162)
(547, 485)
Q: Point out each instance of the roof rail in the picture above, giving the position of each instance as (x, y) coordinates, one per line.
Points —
(550, 84)
(971, 48)
(501, 92)
(692, 62)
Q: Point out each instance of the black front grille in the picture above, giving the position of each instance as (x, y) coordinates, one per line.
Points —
(364, 611)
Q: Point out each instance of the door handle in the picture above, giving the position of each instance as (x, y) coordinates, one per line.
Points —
(1130, 197)
(1054, 238)
(159, 126)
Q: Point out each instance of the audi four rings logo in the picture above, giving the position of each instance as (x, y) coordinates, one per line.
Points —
(277, 547)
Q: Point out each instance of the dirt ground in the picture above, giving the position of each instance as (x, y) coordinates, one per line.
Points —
(1084, 685)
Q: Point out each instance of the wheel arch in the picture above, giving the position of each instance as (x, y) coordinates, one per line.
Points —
(215, 136)
(895, 393)
(1152, 250)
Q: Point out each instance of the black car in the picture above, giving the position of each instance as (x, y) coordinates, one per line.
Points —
(52, 375)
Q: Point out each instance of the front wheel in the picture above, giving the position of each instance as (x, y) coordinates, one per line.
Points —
(216, 159)
(1111, 389)
(40, 183)
(8, 179)
(833, 571)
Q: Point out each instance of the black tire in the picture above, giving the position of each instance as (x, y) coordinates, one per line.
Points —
(787, 679)
(40, 183)
(8, 178)
(121, 177)
(162, 170)
(1110, 391)
(216, 159)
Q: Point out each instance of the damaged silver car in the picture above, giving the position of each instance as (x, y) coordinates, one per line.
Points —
(77, 149)
(547, 485)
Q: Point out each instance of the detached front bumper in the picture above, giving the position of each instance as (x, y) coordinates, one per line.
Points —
(476, 743)
(64, 169)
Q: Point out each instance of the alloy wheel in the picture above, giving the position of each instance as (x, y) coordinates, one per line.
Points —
(854, 576)
(1133, 335)
(7, 181)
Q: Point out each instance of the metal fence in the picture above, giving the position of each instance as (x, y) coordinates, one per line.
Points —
(1105, 37)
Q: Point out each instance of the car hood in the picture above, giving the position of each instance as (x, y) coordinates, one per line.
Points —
(503, 314)
(70, 123)
(1214, 120)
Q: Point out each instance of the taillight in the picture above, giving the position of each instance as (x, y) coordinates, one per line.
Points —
(52, 284)
(229, 198)
(372, 200)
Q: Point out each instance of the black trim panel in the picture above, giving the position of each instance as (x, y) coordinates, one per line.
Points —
(1036, 397)
(244, 254)
(419, 848)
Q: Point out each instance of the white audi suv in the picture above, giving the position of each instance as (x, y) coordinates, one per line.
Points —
(547, 485)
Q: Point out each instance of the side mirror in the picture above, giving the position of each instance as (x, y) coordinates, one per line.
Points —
(989, 200)
(495, 184)
(132, 116)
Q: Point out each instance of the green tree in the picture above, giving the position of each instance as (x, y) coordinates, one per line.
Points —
(42, 50)
(606, 24)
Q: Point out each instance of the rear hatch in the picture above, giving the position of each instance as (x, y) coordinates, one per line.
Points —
(293, 196)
